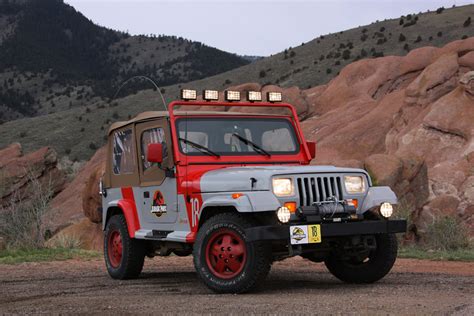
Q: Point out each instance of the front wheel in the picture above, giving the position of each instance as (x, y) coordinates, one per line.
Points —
(124, 256)
(225, 260)
(375, 266)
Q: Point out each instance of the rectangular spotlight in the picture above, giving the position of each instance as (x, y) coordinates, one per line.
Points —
(253, 96)
(232, 95)
(188, 94)
(274, 96)
(210, 95)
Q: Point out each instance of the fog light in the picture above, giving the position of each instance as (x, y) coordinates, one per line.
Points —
(232, 95)
(283, 214)
(188, 94)
(274, 96)
(253, 96)
(386, 210)
(210, 95)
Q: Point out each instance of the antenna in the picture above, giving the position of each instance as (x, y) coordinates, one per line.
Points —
(147, 79)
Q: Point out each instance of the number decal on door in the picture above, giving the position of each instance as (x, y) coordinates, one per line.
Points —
(196, 211)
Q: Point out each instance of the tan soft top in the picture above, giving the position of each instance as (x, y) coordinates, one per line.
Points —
(150, 115)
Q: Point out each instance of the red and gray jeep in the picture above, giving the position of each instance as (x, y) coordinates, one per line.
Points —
(235, 190)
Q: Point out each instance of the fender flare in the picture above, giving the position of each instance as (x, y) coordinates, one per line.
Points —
(378, 195)
(129, 210)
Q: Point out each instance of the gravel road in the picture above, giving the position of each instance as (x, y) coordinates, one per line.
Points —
(295, 286)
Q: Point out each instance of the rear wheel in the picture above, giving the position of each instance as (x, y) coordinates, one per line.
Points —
(225, 260)
(124, 256)
(370, 269)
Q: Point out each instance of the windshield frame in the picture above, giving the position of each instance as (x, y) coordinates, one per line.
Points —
(282, 118)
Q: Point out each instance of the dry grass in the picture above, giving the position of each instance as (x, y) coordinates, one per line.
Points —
(21, 222)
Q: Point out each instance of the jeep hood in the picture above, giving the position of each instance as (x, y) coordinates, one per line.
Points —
(234, 179)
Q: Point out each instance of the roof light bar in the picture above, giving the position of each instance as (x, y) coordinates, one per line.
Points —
(253, 96)
(274, 96)
(232, 95)
(188, 94)
(210, 95)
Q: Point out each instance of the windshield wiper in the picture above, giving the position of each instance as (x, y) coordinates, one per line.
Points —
(201, 148)
(257, 148)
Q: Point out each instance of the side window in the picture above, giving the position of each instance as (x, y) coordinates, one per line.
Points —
(124, 152)
(152, 136)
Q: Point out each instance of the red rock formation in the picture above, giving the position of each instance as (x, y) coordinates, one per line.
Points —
(17, 172)
(67, 207)
(409, 120)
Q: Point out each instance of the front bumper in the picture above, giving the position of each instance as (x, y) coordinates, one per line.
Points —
(282, 232)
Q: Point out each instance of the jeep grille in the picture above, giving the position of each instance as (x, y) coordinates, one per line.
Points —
(317, 189)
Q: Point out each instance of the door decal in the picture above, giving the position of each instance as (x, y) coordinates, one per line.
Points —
(158, 207)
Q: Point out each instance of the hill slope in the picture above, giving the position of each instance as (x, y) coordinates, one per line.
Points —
(53, 58)
(77, 132)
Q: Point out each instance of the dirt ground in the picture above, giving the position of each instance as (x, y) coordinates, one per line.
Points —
(169, 285)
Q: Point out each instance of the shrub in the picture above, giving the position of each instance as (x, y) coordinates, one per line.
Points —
(67, 151)
(439, 34)
(93, 146)
(346, 54)
(464, 37)
(115, 115)
(328, 71)
(406, 47)
(363, 53)
(262, 74)
(418, 39)
(337, 63)
(467, 22)
(292, 54)
(439, 10)
(364, 37)
(382, 29)
(401, 38)
(21, 222)
(401, 21)
(447, 233)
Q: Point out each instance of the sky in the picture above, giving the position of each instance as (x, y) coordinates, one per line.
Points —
(245, 27)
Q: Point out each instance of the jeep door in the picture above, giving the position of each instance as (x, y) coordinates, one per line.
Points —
(157, 201)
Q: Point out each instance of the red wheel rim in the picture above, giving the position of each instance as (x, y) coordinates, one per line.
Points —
(114, 248)
(226, 254)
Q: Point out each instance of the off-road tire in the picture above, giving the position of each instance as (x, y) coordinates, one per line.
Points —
(258, 255)
(380, 262)
(133, 251)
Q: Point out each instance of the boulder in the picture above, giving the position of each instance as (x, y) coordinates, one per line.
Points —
(66, 207)
(385, 170)
(91, 200)
(20, 173)
(9, 154)
(83, 234)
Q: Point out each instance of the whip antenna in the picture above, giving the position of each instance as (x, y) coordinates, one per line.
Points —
(147, 79)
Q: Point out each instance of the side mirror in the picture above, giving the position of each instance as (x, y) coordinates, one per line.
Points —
(312, 149)
(155, 153)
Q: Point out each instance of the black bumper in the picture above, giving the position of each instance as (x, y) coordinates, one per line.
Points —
(282, 232)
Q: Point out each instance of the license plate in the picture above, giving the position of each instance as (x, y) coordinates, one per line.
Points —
(305, 234)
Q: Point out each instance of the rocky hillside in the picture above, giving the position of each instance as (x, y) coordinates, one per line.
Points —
(78, 131)
(52, 58)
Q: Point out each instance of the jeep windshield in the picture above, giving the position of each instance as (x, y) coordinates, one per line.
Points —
(231, 136)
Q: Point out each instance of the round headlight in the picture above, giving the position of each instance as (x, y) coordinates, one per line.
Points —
(386, 210)
(283, 214)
